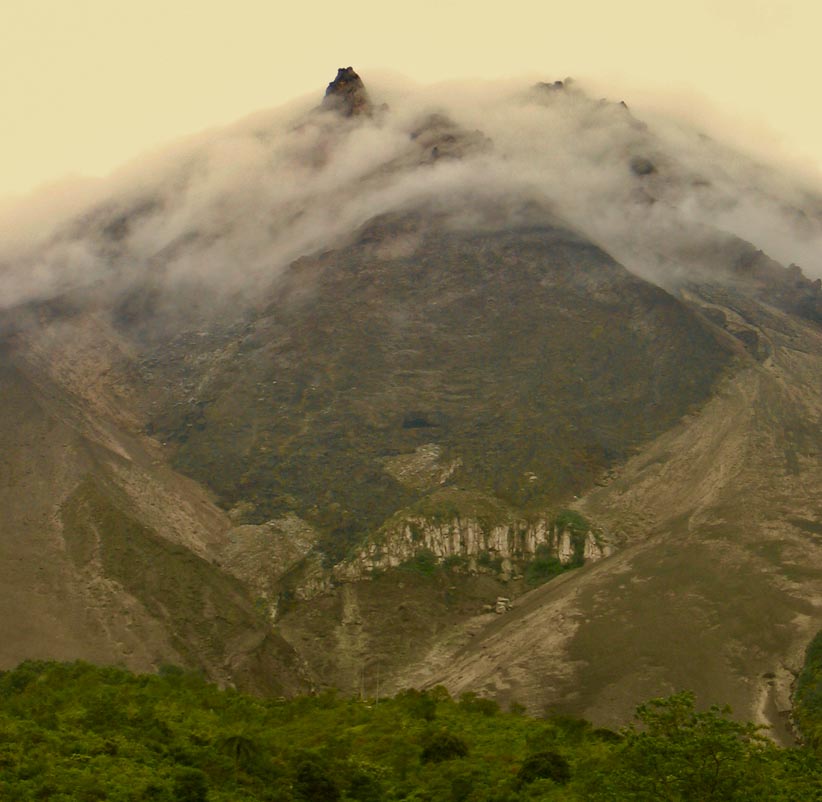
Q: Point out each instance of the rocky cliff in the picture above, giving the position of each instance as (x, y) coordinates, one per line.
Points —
(476, 546)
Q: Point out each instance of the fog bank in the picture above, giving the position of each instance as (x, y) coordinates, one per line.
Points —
(231, 208)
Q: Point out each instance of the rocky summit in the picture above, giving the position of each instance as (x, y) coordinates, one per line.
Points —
(346, 94)
(503, 394)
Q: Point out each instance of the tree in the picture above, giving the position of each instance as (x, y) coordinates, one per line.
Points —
(314, 784)
(241, 749)
(544, 766)
(190, 786)
(682, 755)
(443, 746)
(808, 696)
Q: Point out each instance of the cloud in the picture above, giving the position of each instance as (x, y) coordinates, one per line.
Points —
(231, 208)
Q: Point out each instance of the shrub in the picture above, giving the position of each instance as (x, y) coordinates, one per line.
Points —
(681, 753)
(572, 521)
(365, 785)
(423, 562)
(485, 560)
(419, 704)
(453, 562)
(314, 784)
(541, 569)
(476, 704)
(190, 786)
(443, 746)
(544, 766)
(808, 695)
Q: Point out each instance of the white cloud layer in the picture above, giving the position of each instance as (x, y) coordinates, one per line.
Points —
(234, 207)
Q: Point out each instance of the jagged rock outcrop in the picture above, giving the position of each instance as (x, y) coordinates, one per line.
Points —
(556, 86)
(504, 547)
(347, 95)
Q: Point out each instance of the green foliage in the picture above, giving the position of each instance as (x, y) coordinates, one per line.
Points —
(489, 563)
(419, 704)
(572, 521)
(542, 569)
(683, 755)
(366, 783)
(808, 696)
(544, 765)
(545, 565)
(241, 749)
(190, 786)
(455, 562)
(578, 527)
(423, 562)
(443, 745)
(476, 704)
(79, 732)
(313, 783)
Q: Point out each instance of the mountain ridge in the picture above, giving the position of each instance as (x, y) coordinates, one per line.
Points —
(365, 334)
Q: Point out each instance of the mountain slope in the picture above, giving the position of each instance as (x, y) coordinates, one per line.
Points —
(526, 357)
(718, 583)
(295, 404)
(107, 554)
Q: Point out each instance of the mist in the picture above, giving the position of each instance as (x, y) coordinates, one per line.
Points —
(230, 209)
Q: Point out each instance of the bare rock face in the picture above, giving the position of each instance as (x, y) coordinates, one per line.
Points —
(346, 94)
(507, 546)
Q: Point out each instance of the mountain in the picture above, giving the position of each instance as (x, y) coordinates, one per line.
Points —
(326, 398)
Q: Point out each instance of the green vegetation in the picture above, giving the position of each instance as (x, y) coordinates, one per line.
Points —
(449, 504)
(423, 562)
(808, 696)
(543, 567)
(78, 732)
(572, 521)
(682, 754)
(455, 562)
(485, 560)
(296, 406)
(544, 766)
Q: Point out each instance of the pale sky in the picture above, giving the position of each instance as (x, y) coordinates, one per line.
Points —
(88, 84)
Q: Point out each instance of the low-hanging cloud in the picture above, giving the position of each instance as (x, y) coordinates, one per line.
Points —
(232, 208)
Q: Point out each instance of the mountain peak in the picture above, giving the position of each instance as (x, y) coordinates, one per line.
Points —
(346, 94)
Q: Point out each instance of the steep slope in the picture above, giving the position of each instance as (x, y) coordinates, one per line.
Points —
(526, 359)
(106, 553)
(718, 583)
(298, 402)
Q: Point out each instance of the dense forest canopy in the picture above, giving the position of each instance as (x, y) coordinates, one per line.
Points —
(80, 732)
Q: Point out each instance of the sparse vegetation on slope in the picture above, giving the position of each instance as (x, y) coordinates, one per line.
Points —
(515, 365)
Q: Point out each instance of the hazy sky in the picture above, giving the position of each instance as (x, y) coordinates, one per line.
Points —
(87, 84)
